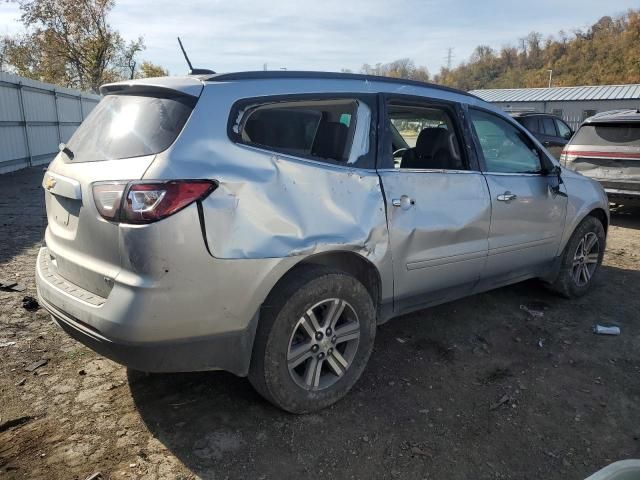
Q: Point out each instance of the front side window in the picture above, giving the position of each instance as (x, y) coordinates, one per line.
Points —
(505, 148)
(335, 130)
(424, 138)
(548, 126)
(563, 129)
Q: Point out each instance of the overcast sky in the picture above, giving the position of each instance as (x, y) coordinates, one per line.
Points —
(331, 35)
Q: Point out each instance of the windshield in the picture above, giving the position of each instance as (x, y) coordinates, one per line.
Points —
(125, 126)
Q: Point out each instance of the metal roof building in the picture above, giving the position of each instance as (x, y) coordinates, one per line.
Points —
(573, 104)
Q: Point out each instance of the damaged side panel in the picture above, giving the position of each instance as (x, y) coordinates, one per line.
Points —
(295, 208)
(281, 205)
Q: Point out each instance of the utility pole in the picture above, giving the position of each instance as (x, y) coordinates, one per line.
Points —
(550, 75)
(449, 57)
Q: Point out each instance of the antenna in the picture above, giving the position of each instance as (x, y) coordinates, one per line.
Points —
(186, 57)
(193, 71)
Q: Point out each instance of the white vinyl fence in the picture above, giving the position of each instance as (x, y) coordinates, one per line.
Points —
(35, 117)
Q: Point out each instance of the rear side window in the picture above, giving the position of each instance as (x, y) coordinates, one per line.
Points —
(125, 126)
(608, 135)
(333, 130)
(531, 124)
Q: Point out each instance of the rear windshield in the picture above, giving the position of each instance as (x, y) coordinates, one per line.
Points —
(624, 135)
(125, 126)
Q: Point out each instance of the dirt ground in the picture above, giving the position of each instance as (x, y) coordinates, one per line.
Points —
(478, 388)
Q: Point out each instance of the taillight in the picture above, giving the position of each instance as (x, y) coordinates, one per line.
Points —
(108, 198)
(146, 202)
(563, 157)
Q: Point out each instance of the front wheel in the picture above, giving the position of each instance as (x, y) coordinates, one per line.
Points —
(581, 260)
(314, 339)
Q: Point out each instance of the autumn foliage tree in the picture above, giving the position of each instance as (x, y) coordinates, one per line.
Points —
(70, 43)
(608, 52)
(402, 68)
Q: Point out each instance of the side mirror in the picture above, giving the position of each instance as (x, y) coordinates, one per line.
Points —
(556, 174)
(568, 135)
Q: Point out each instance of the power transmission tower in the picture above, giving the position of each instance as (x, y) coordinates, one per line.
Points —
(449, 57)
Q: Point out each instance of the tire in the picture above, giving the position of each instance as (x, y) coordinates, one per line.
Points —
(573, 284)
(284, 337)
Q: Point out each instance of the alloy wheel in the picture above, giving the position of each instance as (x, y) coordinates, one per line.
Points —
(323, 344)
(585, 259)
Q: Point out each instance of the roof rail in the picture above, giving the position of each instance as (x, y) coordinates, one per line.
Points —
(289, 74)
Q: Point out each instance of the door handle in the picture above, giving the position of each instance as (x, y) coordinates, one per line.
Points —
(507, 197)
(404, 202)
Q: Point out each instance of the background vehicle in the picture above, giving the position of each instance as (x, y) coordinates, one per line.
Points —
(606, 147)
(265, 222)
(550, 130)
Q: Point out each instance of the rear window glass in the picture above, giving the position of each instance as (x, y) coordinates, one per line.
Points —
(316, 129)
(608, 135)
(125, 126)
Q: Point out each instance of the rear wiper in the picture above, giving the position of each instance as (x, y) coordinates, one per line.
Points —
(66, 150)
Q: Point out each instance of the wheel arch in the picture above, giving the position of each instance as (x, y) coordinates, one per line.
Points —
(601, 215)
(347, 261)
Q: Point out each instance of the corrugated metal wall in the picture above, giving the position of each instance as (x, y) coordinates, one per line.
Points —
(35, 117)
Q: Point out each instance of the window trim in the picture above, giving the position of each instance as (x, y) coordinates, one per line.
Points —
(544, 159)
(457, 115)
(365, 161)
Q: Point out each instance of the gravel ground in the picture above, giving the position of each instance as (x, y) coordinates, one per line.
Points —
(477, 388)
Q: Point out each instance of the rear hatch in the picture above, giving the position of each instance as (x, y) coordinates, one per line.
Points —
(117, 142)
(608, 152)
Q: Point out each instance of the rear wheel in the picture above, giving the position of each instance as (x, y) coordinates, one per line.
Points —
(581, 260)
(314, 339)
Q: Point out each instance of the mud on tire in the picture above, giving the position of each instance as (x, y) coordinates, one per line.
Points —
(310, 297)
(570, 282)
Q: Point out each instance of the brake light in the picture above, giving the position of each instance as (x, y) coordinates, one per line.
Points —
(146, 202)
(108, 198)
(563, 157)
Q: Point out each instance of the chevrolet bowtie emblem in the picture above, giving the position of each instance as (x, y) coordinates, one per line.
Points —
(49, 183)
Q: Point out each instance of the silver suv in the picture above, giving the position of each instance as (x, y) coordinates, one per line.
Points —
(265, 223)
(606, 148)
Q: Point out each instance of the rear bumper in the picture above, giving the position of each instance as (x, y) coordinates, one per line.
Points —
(230, 352)
(157, 329)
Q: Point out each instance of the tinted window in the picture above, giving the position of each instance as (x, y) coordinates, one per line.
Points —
(125, 126)
(505, 148)
(548, 126)
(531, 124)
(608, 135)
(563, 130)
(322, 129)
(424, 138)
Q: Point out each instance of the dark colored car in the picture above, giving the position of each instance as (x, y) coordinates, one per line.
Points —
(552, 131)
(606, 148)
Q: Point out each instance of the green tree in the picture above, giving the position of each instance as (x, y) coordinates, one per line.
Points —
(148, 69)
(70, 43)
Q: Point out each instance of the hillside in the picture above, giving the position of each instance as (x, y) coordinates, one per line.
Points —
(608, 52)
